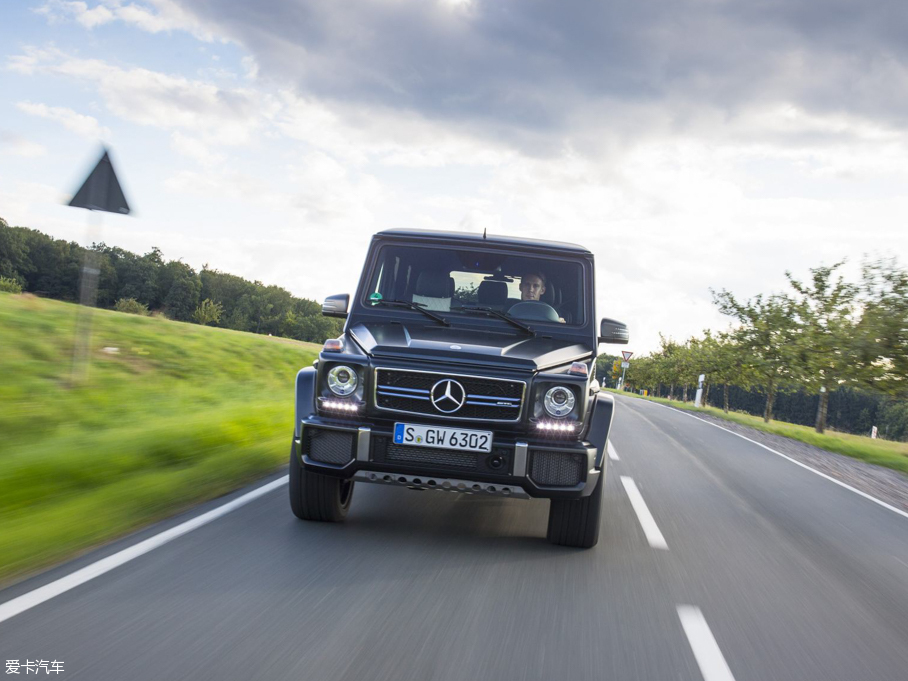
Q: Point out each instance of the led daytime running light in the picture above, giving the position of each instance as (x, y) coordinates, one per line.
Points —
(555, 427)
(340, 405)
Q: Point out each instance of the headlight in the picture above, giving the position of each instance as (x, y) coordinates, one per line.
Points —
(342, 380)
(559, 401)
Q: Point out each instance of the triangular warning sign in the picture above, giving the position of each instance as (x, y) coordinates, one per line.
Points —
(627, 355)
(101, 191)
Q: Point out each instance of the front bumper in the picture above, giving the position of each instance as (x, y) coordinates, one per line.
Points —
(530, 467)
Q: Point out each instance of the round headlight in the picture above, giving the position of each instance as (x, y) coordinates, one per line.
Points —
(342, 380)
(559, 401)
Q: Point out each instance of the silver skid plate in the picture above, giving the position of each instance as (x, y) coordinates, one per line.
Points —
(442, 484)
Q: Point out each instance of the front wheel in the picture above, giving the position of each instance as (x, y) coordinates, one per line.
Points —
(318, 497)
(575, 522)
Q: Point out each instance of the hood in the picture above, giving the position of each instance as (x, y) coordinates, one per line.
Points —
(467, 346)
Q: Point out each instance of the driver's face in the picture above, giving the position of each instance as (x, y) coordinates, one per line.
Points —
(531, 288)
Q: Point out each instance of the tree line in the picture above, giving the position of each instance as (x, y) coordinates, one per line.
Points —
(821, 336)
(36, 263)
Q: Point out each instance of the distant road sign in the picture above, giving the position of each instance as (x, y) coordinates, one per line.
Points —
(101, 190)
(627, 355)
(625, 365)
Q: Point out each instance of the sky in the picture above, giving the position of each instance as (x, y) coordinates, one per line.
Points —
(690, 144)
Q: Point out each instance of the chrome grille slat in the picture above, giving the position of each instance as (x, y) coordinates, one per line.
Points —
(407, 391)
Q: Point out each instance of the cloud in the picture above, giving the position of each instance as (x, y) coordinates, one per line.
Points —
(153, 16)
(152, 98)
(17, 145)
(82, 125)
(529, 72)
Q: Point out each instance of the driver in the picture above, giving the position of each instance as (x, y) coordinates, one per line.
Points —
(532, 287)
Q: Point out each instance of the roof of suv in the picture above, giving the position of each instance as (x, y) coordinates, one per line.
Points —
(471, 238)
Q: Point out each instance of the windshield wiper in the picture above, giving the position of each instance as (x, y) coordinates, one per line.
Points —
(501, 315)
(413, 306)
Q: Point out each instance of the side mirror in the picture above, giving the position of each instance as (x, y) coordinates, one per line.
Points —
(611, 331)
(336, 306)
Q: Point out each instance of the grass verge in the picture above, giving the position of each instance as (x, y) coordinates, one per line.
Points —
(879, 452)
(171, 414)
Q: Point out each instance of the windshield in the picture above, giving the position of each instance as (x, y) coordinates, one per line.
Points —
(457, 282)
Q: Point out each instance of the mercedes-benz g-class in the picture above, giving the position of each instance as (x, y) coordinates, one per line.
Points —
(467, 364)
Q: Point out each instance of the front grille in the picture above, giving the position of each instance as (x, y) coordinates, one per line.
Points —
(557, 469)
(486, 399)
(447, 458)
(328, 446)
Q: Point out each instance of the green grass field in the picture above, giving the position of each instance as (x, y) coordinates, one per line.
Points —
(880, 452)
(179, 413)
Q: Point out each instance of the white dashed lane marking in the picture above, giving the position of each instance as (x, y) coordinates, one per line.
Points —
(647, 522)
(706, 651)
(612, 454)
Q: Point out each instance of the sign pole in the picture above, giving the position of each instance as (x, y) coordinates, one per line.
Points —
(88, 297)
(626, 354)
(101, 191)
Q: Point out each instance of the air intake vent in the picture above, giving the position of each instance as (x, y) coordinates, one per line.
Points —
(430, 456)
(556, 469)
(328, 446)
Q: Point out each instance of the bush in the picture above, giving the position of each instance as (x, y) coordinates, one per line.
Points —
(208, 312)
(10, 285)
(131, 306)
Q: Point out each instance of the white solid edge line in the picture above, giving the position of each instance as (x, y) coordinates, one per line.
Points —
(785, 456)
(647, 522)
(612, 454)
(706, 651)
(44, 593)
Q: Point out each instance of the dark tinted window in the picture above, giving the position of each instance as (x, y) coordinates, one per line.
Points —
(529, 288)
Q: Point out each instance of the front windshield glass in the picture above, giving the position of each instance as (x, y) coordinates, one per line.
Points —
(531, 289)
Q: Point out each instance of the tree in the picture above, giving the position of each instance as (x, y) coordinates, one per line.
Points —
(765, 334)
(208, 312)
(14, 261)
(825, 331)
(182, 287)
(880, 350)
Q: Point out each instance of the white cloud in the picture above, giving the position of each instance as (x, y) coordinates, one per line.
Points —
(16, 145)
(154, 16)
(195, 149)
(81, 124)
(228, 116)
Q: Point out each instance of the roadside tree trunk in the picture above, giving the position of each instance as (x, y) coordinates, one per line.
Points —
(770, 398)
(822, 408)
(726, 397)
(684, 393)
(671, 391)
(705, 398)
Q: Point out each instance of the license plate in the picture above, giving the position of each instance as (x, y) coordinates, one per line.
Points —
(443, 438)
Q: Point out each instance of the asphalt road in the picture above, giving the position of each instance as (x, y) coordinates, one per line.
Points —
(770, 572)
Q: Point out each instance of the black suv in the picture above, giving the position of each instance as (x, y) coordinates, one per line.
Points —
(467, 364)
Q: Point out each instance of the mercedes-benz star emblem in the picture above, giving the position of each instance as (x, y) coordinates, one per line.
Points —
(448, 395)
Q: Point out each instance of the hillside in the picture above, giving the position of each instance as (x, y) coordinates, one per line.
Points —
(170, 414)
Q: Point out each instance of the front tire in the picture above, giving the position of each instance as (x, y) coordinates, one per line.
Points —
(318, 497)
(575, 522)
